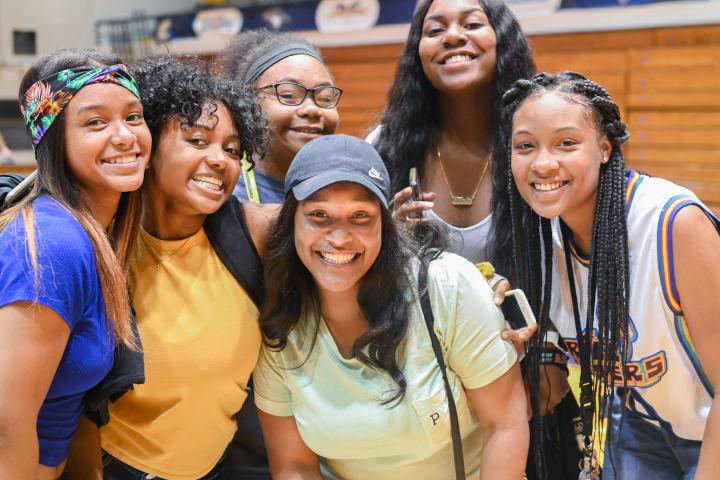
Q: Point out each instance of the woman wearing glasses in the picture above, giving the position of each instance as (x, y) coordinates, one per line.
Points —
(297, 96)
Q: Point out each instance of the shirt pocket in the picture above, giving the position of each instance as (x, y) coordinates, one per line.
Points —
(434, 415)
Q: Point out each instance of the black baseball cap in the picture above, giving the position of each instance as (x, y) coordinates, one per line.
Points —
(331, 159)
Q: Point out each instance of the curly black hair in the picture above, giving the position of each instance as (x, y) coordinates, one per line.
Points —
(175, 89)
(232, 62)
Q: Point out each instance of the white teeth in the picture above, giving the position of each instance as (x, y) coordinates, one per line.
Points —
(212, 183)
(338, 258)
(119, 160)
(547, 187)
(458, 58)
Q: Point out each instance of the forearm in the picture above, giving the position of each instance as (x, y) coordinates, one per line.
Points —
(85, 458)
(709, 463)
(18, 452)
(296, 472)
(505, 452)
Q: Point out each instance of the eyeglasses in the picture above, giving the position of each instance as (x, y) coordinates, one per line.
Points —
(293, 94)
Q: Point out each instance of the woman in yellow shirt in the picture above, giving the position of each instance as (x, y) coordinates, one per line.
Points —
(197, 323)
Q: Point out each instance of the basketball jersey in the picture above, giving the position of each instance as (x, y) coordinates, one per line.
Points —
(664, 374)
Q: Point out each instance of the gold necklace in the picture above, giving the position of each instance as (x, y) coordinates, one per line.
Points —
(159, 260)
(459, 200)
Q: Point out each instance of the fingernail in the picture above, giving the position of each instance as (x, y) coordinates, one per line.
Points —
(504, 335)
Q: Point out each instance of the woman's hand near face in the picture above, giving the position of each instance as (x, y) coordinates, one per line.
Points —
(500, 408)
(405, 209)
(33, 339)
(290, 458)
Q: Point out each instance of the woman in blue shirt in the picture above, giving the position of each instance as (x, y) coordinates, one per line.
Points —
(66, 249)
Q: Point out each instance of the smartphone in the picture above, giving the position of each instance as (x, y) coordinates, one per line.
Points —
(517, 310)
(415, 185)
(21, 189)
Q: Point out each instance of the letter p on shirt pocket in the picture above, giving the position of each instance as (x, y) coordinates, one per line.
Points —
(434, 416)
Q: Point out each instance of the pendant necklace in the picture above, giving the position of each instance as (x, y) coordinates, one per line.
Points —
(460, 200)
(159, 259)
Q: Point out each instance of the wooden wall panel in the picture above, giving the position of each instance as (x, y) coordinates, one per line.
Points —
(663, 79)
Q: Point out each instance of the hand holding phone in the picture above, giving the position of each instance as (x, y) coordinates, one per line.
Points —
(517, 311)
(414, 181)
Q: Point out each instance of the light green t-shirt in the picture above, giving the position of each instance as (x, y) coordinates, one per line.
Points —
(336, 401)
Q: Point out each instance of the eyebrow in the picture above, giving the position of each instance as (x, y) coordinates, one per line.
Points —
(291, 79)
(561, 129)
(100, 106)
(467, 11)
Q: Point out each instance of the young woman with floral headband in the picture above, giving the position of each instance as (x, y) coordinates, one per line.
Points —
(66, 250)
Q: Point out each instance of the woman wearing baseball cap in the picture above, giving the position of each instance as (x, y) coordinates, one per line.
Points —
(348, 384)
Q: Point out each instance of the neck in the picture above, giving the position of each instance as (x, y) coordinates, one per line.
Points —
(465, 123)
(162, 220)
(581, 228)
(340, 308)
(103, 206)
(273, 166)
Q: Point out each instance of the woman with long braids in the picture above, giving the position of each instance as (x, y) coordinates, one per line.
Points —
(66, 249)
(630, 278)
(442, 118)
(348, 384)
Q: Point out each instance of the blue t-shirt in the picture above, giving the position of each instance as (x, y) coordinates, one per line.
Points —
(269, 189)
(68, 284)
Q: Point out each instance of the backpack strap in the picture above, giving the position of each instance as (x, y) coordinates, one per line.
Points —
(8, 181)
(429, 322)
(228, 233)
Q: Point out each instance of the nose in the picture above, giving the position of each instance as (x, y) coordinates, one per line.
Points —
(123, 137)
(455, 35)
(545, 164)
(338, 236)
(215, 157)
(308, 108)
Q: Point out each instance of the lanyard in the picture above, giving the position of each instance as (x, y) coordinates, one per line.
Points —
(589, 465)
(249, 180)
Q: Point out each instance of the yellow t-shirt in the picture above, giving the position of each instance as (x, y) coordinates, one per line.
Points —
(201, 339)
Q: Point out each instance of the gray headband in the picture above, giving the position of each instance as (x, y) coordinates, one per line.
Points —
(273, 55)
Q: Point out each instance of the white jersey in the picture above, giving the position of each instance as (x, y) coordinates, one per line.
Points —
(667, 382)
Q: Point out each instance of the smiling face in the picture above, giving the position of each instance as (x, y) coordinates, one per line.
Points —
(195, 167)
(106, 140)
(557, 151)
(294, 126)
(457, 46)
(338, 235)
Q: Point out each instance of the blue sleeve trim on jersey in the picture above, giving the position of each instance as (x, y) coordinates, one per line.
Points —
(683, 334)
(631, 186)
(666, 268)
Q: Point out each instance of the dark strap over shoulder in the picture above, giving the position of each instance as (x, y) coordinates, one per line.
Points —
(228, 233)
(8, 181)
(429, 322)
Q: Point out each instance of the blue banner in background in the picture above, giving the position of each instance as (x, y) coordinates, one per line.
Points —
(299, 16)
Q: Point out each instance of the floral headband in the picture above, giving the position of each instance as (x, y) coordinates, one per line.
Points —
(46, 98)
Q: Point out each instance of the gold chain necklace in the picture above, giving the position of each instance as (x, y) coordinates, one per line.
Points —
(159, 259)
(459, 200)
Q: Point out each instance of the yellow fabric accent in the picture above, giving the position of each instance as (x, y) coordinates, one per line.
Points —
(201, 340)
(486, 268)
(249, 180)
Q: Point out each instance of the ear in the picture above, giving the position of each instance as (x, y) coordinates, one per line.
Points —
(605, 149)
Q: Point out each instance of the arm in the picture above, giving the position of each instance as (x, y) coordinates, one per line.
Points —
(290, 458)
(500, 407)
(85, 458)
(696, 250)
(259, 218)
(33, 339)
